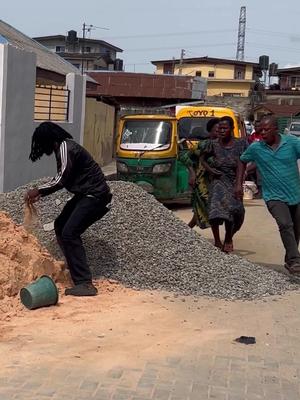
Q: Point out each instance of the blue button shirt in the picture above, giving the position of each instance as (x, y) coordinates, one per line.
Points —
(278, 168)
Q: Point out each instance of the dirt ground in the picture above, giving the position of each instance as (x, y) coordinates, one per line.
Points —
(131, 325)
(123, 328)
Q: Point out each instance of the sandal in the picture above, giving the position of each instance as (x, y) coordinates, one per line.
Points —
(219, 246)
(227, 247)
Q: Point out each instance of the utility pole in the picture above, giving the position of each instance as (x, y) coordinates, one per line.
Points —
(181, 61)
(87, 28)
(240, 52)
(84, 28)
(173, 65)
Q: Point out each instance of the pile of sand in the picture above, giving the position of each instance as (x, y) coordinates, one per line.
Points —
(22, 260)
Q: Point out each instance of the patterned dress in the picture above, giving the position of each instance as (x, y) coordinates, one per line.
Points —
(222, 204)
(199, 198)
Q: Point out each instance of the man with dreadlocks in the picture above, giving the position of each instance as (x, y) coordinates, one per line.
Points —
(81, 175)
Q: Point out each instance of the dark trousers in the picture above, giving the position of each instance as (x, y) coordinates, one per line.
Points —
(78, 214)
(288, 221)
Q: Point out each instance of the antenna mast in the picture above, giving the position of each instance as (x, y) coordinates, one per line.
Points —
(240, 52)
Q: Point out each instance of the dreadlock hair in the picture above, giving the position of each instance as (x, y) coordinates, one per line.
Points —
(44, 137)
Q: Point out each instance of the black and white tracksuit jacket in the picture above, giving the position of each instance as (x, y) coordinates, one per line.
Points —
(77, 172)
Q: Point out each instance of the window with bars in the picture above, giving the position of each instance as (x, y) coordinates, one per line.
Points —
(60, 49)
(168, 68)
(239, 72)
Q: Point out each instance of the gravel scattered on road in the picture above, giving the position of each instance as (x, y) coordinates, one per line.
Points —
(145, 246)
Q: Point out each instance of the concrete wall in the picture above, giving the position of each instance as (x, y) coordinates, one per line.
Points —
(283, 98)
(17, 88)
(77, 85)
(222, 71)
(2, 112)
(99, 130)
(242, 104)
(199, 88)
(19, 76)
(217, 86)
(249, 72)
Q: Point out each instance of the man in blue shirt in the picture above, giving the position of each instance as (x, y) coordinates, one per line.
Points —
(276, 158)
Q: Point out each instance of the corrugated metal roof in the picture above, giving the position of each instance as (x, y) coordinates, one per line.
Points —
(80, 40)
(46, 59)
(194, 60)
(290, 69)
(280, 110)
(130, 84)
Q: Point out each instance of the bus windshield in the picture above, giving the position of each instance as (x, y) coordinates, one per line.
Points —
(193, 128)
(146, 135)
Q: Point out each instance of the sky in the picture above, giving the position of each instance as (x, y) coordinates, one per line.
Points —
(159, 29)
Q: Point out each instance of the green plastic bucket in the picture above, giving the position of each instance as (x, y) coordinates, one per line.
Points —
(41, 293)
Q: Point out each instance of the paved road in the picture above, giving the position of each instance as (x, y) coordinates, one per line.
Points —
(258, 239)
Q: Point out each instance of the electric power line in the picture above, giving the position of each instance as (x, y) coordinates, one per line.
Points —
(270, 33)
(169, 34)
(188, 33)
(275, 47)
(180, 47)
(138, 63)
(249, 30)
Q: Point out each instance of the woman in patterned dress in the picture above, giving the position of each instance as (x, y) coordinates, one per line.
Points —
(223, 207)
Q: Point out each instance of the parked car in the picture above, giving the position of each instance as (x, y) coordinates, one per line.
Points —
(293, 128)
(249, 127)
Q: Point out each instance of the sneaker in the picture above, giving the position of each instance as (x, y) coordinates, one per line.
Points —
(293, 268)
(83, 289)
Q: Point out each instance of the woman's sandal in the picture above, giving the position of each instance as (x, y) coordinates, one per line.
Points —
(219, 246)
(227, 248)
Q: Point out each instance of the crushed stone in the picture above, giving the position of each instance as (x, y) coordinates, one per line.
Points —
(143, 245)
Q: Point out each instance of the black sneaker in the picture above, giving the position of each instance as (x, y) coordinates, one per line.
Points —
(293, 268)
(83, 289)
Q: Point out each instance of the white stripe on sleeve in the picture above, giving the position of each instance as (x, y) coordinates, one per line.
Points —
(64, 160)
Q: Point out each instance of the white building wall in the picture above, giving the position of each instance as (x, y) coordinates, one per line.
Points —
(17, 89)
(3, 54)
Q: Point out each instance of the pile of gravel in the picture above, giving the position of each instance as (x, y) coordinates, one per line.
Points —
(143, 245)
